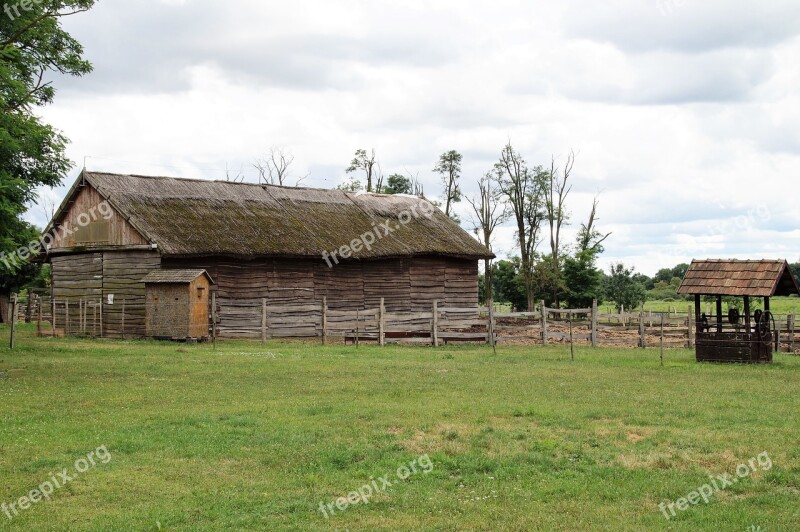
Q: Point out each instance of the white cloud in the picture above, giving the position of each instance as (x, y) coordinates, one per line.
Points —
(681, 121)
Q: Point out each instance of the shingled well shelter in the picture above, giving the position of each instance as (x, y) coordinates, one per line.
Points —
(256, 242)
(737, 338)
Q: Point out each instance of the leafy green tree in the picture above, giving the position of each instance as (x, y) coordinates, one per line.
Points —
(449, 167)
(623, 289)
(398, 184)
(582, 279)
(33, 47)
(352, 185)
(509, 285)
(796, 270)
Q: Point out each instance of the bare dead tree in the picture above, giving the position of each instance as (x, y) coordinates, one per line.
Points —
(237, 178)
(558, 190)
(274, 169)
(490, 211)
(417, 188)
(365, 162)
(589, 238)
(48, 206)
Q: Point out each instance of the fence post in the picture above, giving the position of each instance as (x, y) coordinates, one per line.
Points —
(14, 305)
(594, 323)
(123, 319)
(435, 324)
(101, 315)
(29, 307)
(39, 321)
(571, 344)
(544, 323)
(66, 317)
(53, 316)
(324, 320)
(791, 333)
(777, 336)
(214, 319)
(662, 340)
(690, 326)
(382, 323)
(264, 321)
(642, 337)
(490, 325)
(622, 316)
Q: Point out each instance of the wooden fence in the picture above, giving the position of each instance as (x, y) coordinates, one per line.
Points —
(258, 319)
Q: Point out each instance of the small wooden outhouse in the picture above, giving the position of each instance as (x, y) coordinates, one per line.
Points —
(177, 304)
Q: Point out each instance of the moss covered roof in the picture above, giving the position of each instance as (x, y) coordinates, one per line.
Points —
(195, 217)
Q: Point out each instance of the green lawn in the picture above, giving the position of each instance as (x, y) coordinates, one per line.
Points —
(255, 437)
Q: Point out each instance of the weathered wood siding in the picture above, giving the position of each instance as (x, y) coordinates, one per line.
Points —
(93, 276)
(406, 284)
(87, 206)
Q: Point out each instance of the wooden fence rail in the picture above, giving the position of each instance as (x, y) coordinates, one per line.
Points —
(258, 319)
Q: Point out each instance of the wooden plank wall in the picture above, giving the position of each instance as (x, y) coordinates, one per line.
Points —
(123, 272)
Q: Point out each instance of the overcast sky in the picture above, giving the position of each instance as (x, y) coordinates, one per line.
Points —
(685, 113)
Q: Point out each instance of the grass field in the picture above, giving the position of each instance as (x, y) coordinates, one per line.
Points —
(252, 437)
(778, 305)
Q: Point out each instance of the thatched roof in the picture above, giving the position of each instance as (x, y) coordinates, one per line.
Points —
(197, 218)
(755, 278)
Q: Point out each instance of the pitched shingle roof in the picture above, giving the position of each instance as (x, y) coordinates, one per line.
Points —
(174, 276)
(755, 278)
(197, 218)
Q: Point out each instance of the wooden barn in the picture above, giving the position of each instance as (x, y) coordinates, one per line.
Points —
(747, 336)
(256, 242)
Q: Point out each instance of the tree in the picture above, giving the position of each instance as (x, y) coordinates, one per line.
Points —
(398, 184)
(623, 289)
(795, 267)
(20, 275)
(583, 281)
(367, 163)
(509, 285)
(352, 185)
(274, 169)
(523, 189)
(557, 190)
(33, 46)
(449, 168)
(490, 212)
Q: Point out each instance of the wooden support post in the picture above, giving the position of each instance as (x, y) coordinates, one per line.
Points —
(123, 319)
(39, 321)
(662, 340)
(94, 321)
(747, 314)
(66, 317)
(777, 336)
(101, 315)
(53, 316)
(29, 307)
(594, 323)
(697, 311)
(571, 343)
(264, 321)
(690, 326)
(491, 329)
(719, 314)
(642, 339)
(435, 324)
(622, 316)
(214, 320)
(382, 323)
(14, 306)
(544, 322)
(791, 332)
(324, 320)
